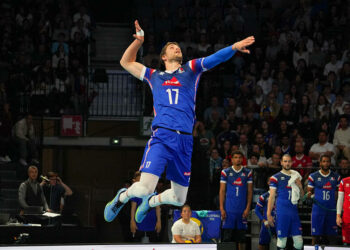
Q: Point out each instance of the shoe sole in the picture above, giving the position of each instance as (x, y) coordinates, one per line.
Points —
(107, 207)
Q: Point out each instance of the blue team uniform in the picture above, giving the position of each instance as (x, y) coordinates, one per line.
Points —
(236, 196)
(174, 98)
(150, 221)
(287, 217)
(265, 236)
(323, 222)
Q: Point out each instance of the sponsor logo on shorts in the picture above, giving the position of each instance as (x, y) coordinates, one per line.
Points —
(187, 173)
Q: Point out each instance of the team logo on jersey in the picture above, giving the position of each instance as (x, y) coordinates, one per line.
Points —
(243, 174)
(332, 178)
(328, 186)
(161, 73)
(282, 178)
(319, 179)
(238, 182)
(347, 185)
(172, 82)
(230, 174)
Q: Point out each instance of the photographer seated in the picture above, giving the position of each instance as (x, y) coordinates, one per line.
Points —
(55, 191)
(30, 193)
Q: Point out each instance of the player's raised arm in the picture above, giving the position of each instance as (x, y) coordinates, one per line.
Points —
(226, 53)
(128, 61)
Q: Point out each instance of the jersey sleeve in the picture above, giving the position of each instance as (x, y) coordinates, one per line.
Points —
(341, 186)
(310, 182)
(146, 76)
(338, 180)
(196, 65)
(273, 182)
(223, 177)
(203, 64)
(250, 177)
(259, 206)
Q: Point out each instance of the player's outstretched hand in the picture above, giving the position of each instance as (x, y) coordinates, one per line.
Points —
(139, 32)
(243, 44)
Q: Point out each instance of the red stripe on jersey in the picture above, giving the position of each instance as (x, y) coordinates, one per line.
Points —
(250, 174)
(261, 198)
(193, 65)
(310, 179)
(223, 174)
(151, 72)
(273, 179)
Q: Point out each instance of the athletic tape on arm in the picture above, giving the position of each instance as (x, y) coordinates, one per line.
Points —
(140, 33)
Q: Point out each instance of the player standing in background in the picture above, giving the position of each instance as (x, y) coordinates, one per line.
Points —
(287, 217)
(236, 192)
(324, 184)
(266, 231)
(174, 96)
(343, 205)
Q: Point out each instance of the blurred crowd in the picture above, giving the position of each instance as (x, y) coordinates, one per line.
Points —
(43, 55)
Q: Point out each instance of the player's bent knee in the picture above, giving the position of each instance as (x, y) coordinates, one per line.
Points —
(298, 242)
(282, 242)
(140, 191)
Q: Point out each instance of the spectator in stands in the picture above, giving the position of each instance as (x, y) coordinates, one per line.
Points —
(226, 135)
(343, 168)
(273, 164)
(214, 106)
(265, 149)
(82, 14)
(58, 55)
(5, 134)
(334, 65)
(205, 137)
(243, 145)
(150, 226)
(287, 115)
(55, 190)
(79, 27)
(61, 28)
(285, 144)
(322, 108)
(186, 230)
(60, 42)
(301, 162)
(338, 105)
(305, 108)
(24, 136)
(317, 57)
(30, 192)
(236, 192)
(265, 82)
(322, 147)
(150, 56)
(341, 138)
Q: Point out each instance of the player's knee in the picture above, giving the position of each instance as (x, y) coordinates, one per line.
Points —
(298, 242)
(140, 190)
(281, 242)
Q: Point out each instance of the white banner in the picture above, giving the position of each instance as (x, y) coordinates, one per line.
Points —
(118, 247)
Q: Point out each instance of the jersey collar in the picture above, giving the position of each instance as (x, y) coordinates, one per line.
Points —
(323, 174)
(237, 171)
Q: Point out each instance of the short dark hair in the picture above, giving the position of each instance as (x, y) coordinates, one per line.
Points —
(324, 156)
(184, 206)
(237, 152)
(163, 51)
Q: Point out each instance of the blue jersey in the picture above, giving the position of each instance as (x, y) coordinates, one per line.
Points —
(284, 205)
(236, 188)
(325, 187)
(262, 205)
(150, 221)
(174, 95)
